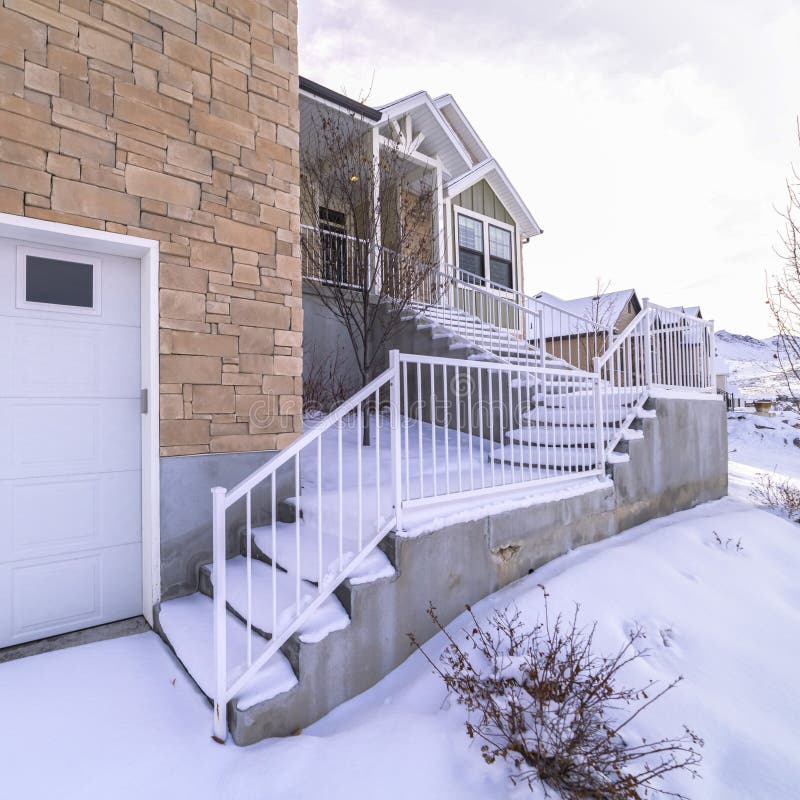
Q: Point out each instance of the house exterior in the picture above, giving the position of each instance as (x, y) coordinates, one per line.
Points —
(159, 306)
(151, 315)
(581, 329)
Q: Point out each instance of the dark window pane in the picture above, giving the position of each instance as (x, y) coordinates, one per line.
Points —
(501, 272)
(470, 262)
(63, 283)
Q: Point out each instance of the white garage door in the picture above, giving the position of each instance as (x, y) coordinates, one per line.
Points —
(70, 445)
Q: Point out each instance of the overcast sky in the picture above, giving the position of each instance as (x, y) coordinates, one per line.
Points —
(651, 140)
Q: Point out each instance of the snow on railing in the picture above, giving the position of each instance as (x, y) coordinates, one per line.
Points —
(661, 348)
(437, 428)
(491, 321)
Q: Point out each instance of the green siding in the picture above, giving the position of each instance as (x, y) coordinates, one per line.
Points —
(483, 200)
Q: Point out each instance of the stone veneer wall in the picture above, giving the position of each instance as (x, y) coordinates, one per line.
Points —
(176, 120)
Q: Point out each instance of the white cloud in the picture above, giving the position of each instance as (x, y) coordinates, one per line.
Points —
(650, 140)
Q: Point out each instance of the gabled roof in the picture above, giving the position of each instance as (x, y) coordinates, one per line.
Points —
(490, 171)
(599, 311)
(440, 138)
(461, 125)
(692, 311)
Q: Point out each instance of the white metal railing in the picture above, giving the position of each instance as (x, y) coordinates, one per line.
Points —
(498, 319)
(438, 428)
(659, 348)
(490, 321)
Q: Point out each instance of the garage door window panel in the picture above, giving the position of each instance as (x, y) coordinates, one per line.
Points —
(47, 281)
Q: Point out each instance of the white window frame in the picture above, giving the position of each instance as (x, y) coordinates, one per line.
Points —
(63, 254)
(486, 222)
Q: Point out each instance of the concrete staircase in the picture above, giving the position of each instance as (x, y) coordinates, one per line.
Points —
(486, 339)
(288, 677)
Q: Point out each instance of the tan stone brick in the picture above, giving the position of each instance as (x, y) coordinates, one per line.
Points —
(95, 44)
(22, 30)
(231, 444)
(278, 384)
(288, 338)
(256, 313)
(187, 53)
(170, 189)
(213, 400)
(256, 340)
(223, 43)
(22, 129)
(22, 154)
(288, 365)
(222, 129)
(203, 344)
(182, 305)
(149, 118)
(171, 406)
(41, 79)
(238, 234)
(189, 156)
(63, 166)
(174, 276)
(11, 201)
(15, 176)
(243, 273)
(90, 201)
(191, 369)
(87, 147)
(212, 256)
(184, 432)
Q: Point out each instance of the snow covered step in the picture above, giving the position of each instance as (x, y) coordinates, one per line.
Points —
(558, 458)
(188, 624)
(629, 434)
(375, 566)
(553, 435)
(618, 458)
(576, 416)
(329, 617)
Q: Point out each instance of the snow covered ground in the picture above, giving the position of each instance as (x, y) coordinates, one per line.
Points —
(120, 719)
(755, 370)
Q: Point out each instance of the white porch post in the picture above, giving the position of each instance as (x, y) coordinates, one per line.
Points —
(375, 256)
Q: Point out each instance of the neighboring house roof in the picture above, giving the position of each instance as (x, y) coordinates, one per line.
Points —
(599, 311)
(692, 311)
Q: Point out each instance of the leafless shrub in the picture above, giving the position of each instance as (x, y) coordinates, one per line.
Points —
(725, 544)
(777, 493)
(540, 698)
(325, 385)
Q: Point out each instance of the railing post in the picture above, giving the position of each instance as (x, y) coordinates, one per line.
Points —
(712, 357)
(600, 441)
(648, 345)
(220, 623)
(542, 338)
(396, 423)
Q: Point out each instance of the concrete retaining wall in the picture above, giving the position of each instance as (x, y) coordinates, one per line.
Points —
(682, 461)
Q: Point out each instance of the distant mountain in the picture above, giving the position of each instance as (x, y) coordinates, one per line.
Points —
(753, 363)
(741, 347)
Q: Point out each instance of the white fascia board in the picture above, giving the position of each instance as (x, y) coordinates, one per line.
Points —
(449, 100)
(491, 171)
(407, 104)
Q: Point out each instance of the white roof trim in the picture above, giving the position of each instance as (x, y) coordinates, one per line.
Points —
(404, 105)
(476, 142)
(490, 171)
